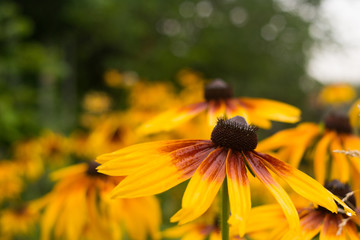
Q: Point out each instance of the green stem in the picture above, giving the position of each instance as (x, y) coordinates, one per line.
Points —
(225, 211)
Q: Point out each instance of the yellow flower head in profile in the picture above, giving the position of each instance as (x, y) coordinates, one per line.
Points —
(336, 136)
(314, 221)
(155, 167)
(220, 101)
(337, 94)
(79, 207)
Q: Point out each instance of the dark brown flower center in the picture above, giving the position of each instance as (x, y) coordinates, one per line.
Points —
(117, 135)
(218, 89)
(91, 170)
(339, 123)
(235, 134)
(343, 191)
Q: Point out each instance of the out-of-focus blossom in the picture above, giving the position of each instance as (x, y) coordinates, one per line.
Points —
(337, 94)
(79, 207)
(27, 156)
(96, 102)
(336, 135)
(219, 101)
(18, 221)
(155, 167)
(54, 148)
(11, 183)
(268, 222)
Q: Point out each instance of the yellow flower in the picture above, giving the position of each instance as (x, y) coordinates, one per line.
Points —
(220, 101)
(113, 78)
(337, 136)
(10, 180)
(79, 207)
(337, 94)
(313, 220)
(155, 167)
(27, 156)
(17, 221)
(54, 148)
(96, 102)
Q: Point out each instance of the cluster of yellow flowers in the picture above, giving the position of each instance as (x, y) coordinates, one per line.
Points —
(104, 176)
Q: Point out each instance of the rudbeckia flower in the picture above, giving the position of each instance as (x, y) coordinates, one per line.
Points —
(18, 221)
(336, 136)
(336, 94)
(155, 167)
(11, 183)
(314, 220)
(219, 101)
(79, 207)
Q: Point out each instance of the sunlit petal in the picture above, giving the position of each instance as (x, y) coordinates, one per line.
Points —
(239, 191)
(299, 181)
(321, 156)
(217, 109)
(340, 166)
(203, 187)
(277, 191)
(172, 118)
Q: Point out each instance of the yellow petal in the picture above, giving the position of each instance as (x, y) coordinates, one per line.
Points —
(259, 218)
(239, 191)
(330, 229)
(203, 187)
(311, 224)
(299, 181)
(272, 110)
(321, 156)
(217, 109)
(277, 191)
(128, 160)
(171, 119)
(340, 166)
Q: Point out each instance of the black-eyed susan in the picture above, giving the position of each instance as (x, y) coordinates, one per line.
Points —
(54, 148)
(18, 221)
(79, 207)
(336, 135)
(314, 220)
(337, 94)
(155, 167)
(11, 183)
(220, 101)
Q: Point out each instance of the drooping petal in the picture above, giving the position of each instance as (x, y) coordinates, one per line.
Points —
(272, 110)
(352, 143)
(203, 187)
(239, 191)
(233, 109)
(321, 156)
(299, 181)
(128, 160)
(217, 109)
(340, 166)
(351, 231)
(171, 119)
(163, 173)
(331, 228)
(262, 173)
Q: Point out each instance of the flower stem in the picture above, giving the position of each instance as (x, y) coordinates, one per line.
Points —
(225, 211)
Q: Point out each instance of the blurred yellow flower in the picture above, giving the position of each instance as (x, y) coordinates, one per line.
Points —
(79, 207)
(27, 155)
(291, 145)
(336, 94)
(219, 101)
(270, 223)
(113, 78)
(54, 148)
(18, 221)
(11, 183)
(96, 102)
